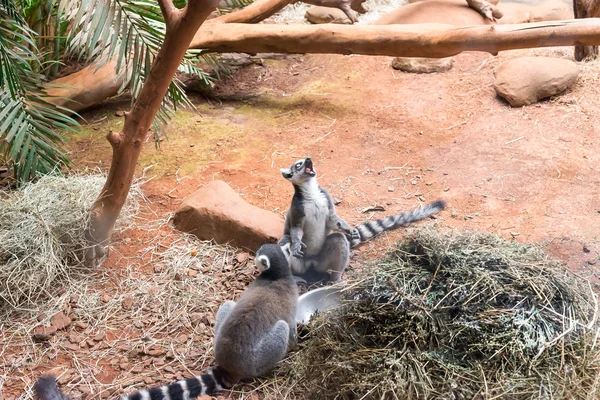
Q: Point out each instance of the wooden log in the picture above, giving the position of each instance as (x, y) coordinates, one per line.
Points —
(419, 40)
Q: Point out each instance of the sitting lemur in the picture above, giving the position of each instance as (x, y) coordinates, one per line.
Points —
(320, 241)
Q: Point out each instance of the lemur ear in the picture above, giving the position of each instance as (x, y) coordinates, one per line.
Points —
(262, 263)
(286, 172)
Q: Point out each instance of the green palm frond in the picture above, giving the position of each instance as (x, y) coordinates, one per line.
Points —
(28, 123)
(132, 32)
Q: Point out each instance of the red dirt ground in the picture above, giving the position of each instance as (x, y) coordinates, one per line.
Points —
(528, 173)
(382, 137)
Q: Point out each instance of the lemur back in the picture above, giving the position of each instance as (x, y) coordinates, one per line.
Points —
(251, 336)
(314, 230)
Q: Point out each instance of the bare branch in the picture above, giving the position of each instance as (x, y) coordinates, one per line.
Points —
(169, 11)
(410, 40)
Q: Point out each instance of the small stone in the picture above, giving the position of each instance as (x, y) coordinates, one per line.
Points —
(154, 351)
(183, 338)
(84, 389)
(127, 303)
(390, 188)
(158, 362)
(60, 321)
(119, 113)
(138, 369)
(65, 377)
(336, 202)
(90, 342)
(70, 346)
(422, 65)
(74, 298)
(99, 337)
(326, 15)
(192, 273)
(169, 369)
(585, 249)
(105, 298)
(242, 258)
(81, 324)
(148, 380)
(43, 333)
(124, 366)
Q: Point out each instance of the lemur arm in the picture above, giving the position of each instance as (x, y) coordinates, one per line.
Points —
(335, 223)
(296, 234)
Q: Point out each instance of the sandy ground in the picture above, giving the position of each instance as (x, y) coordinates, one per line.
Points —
(377, 137)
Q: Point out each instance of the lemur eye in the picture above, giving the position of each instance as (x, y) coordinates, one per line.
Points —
(298, 166)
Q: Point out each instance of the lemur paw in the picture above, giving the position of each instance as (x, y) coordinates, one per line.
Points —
(354, 234)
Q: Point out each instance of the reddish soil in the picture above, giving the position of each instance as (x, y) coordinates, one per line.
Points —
(382, 137)
(528, 173)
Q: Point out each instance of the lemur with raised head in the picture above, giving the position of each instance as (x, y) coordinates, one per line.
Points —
(251, 336)
(320, 241)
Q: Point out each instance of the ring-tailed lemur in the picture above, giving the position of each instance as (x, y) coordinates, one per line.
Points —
(319, 239)
(251, 336)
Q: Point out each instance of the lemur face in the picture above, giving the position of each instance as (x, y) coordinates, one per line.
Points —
(300, 172)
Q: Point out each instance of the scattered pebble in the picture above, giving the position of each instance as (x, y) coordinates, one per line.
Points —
(60, 321)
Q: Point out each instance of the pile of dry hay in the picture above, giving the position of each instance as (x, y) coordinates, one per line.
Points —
(454, 316)
(42, 235)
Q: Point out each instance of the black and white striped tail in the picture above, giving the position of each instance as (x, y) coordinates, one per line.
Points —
(373, 228)
(211, 382)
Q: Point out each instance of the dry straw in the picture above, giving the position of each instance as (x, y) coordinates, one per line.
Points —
(42, 236)
(453, 316)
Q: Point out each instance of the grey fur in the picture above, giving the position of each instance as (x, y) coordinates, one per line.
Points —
(47, 389)
(251, 336)
(313, 230)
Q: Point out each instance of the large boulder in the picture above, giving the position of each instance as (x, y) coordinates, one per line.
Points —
(217, 212)
(526, 80)
(452, 12)
(515, 13)
(422, 65)
(551, 10)
(326, 15)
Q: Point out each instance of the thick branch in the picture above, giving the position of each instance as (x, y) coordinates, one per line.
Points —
(258, 11)
(418, 40)
(169, 12)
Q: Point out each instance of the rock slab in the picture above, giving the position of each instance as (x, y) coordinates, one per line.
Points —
(526, 80)
(216, 212)
(326, 15)
(421, 65)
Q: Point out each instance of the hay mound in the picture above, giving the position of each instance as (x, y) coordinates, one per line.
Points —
(455, 316)
(42, 235)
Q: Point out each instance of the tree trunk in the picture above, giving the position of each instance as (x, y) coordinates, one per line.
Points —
(127, 145)
(418, 40)
(586, 9)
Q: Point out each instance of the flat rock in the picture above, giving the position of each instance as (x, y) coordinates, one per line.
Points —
(216, 212)
(326, 15)
(422, 65)
(60, 321)
(526, 80)
(43, 333)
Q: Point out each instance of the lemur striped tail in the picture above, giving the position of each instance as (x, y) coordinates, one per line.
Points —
(373, 228)
(211, 382)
